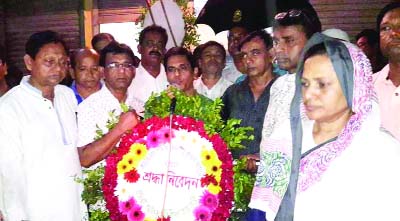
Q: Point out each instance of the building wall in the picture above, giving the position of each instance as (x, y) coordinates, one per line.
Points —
(25, 17)
(349, 15)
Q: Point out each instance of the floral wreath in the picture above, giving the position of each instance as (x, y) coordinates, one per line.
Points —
(210, 190)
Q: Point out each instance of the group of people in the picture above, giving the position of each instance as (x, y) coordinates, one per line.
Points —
(326, 133)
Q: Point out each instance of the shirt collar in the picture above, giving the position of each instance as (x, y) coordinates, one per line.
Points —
(25, 83)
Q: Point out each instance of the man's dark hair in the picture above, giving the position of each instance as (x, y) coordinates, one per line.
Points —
(262, 34)
(116, 48)
(371, 35)
(175, 51)
(197, 54)
(382, 13)
(154, 28)
(306, 18)
(101, 37)
(40, 39)
(213, 43)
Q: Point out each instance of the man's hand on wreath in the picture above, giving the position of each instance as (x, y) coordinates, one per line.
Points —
(251, 163)
(127, 121)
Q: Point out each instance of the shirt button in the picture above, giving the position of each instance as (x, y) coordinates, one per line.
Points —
(397, 93)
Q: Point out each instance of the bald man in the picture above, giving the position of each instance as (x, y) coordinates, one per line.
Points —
(86, 73)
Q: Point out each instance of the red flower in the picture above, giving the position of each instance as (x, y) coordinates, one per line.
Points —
(208, 179)
(132, 176)
(164, 219)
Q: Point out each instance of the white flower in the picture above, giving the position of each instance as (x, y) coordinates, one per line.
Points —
(124, 190)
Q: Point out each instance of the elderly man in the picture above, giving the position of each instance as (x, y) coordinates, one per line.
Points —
(211, 63)
(38, 157)
(150, 75)
(387, 81)
(117, 62)
(86, 73)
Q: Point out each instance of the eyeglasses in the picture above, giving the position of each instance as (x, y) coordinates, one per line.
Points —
(293, 13)
(125, 66)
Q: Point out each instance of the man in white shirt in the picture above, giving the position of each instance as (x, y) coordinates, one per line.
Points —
(117, 62)
(150, 75)
(38, 157)
(211, 62)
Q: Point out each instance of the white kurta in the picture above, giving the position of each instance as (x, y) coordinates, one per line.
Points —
(215, 92)
(38, 157)
(144, 83)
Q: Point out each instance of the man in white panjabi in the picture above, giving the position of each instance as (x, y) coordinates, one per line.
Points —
(38, 157)
(150, 75)
(211, 62)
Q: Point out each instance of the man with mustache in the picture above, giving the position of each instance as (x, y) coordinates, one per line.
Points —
(211, 62)
(387, 81)
(150, 75)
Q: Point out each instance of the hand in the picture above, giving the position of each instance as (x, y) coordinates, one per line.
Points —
(127, 121)
(251, 163)
(169, 91)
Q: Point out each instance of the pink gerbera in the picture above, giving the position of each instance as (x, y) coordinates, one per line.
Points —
(202, 213)
(209, 200)
(125, 207)
(153, 139)
(164, 134)
(136, 214)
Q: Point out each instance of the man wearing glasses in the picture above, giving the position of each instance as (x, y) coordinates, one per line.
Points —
(117, 62)
(150, 75)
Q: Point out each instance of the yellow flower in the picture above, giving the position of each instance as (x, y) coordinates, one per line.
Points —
(210, 157)
(214, 169)
(125, 165)
(214, 189)
(139, 151)
(149, 219)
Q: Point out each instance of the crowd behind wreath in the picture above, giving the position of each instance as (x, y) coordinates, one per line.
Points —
(325, 114)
